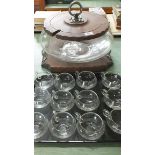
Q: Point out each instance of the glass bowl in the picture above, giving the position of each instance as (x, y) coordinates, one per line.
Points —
(76, 51)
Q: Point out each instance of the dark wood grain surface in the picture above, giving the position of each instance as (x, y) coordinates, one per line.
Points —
(95, 26)
(58, 66)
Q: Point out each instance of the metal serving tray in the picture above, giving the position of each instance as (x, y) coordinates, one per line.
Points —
(108, 136)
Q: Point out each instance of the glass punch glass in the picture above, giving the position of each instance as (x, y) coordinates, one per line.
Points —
(86, 79)
(64, 81)
(44, 79)
(87, 100)
(62, 100)
(90, 126)
(40, 125)
(111, 80)
(113, 119)
(42, 100)
(62, 125)
(112, 98)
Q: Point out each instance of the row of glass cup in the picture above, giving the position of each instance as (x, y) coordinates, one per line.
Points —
(63, 125)
(84, 79)
(86, 100)
(89, 125)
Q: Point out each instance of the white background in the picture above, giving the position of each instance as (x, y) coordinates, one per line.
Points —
(16, 77)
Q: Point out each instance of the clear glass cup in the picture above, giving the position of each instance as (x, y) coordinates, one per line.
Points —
(87, 100)
(86, 79)
(40, 125)
(42, 100)
(113, 119)
(62, 125)
(44, 79)
(111, 80)
(112, 98)
(62, 100)
(64, 81)
(90, 126)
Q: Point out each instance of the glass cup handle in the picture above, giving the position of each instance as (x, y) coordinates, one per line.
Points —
(102, 74)
(76, 93)
(54, 94)
(83, 84)
(117, 75)
(38, 77)
(115, 126)
(107, 114)
(54, 116)
(54, 112)
(104, 92)
(41, 84)
(109, 84)
(106, 98)
(78, 116)
(76, 74)
(118, 105)
(55, 75)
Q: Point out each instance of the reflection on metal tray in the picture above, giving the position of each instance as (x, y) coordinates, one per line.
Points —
(108, 136)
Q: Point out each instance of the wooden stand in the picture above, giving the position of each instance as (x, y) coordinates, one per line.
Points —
(55, 65)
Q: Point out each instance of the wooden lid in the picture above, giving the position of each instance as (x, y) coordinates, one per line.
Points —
(94, 26)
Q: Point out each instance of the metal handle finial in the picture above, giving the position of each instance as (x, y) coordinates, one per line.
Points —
(75, 15)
